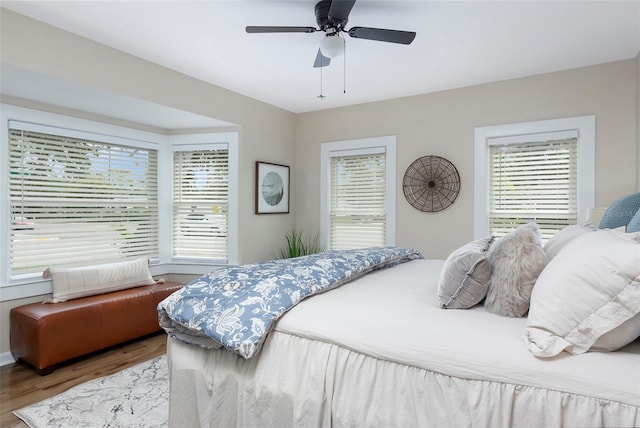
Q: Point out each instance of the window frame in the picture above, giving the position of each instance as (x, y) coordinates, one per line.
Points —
(516, 132)
(358, 146)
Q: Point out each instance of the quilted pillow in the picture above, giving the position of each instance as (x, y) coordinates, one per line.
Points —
(564, 236)
(516, 261)
(73, 283)
(634, 224)
(621, 211)
(588, 295)
(465, 276)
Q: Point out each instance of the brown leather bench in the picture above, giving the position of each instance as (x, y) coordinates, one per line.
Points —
(46, 334)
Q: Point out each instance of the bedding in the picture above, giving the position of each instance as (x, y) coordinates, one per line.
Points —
(382, 351)
(464, 280)
(558, 241)
(589, 290)
(621, 212)
(379, 351)
(516, 261)
(235, 307)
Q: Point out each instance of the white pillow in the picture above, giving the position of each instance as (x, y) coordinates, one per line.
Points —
(564, 236)
(516, 261)
(73, 283)
(465, 276)
(625, 333)
(591, 288)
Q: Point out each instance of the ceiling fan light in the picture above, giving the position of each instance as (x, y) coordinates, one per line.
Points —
(332, 46)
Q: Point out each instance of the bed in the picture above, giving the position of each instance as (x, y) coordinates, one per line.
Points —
(380, 350)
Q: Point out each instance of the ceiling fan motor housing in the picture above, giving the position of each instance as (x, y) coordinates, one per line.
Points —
(324, 21)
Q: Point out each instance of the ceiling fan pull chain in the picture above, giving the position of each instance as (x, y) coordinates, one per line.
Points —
(321, 96)
(344, 68)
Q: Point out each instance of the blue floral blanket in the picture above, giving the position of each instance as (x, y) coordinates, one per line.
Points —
(236, 307)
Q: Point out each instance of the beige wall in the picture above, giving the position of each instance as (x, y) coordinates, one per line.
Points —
(443, 124)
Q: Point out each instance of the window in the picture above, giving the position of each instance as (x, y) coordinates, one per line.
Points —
(79, 197)
(358, 197)
(201, 203)
(78, 193)
(540, 172)
(533, 181)
(203, 226)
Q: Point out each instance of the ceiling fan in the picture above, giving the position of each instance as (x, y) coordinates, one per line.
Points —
(332, 17)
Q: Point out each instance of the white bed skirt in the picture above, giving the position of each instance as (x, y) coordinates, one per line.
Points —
(316, 383)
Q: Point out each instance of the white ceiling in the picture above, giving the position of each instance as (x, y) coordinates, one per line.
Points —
(458, 43)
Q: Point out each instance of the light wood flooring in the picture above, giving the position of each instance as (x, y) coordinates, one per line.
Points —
(20, 385)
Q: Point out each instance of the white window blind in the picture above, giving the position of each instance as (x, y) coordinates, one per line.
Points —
(358, 201)
(78, 202)
(201, 204)
(533, 181)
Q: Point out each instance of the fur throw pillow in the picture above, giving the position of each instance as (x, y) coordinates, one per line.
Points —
(516, 261)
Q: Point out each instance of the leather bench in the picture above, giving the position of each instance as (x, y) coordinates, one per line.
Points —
(46, 334)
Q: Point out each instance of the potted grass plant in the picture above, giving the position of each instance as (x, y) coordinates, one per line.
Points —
(299, 245)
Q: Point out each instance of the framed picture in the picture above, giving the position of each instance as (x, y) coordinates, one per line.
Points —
(272, 188)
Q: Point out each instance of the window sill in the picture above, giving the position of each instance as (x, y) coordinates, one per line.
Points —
(24, 289)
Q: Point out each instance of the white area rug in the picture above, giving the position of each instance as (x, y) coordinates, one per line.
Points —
(134, 397)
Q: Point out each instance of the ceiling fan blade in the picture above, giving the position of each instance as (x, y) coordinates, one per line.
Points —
(340, 9)
(383, 35)
(268, 29)
(321, 60)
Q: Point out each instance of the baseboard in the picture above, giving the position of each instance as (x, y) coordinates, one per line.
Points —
(6, 358)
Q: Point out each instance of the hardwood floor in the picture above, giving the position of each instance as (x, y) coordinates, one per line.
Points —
(20, 385)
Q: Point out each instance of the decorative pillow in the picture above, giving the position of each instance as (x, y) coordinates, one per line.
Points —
(73, 283)
(465, 276)
(620, 212)
(516, 261)
(589, 289)
(634, 224)
(564, 236)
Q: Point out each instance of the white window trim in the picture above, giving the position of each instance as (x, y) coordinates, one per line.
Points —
(585, 126)
(11, 289)
(354, 147)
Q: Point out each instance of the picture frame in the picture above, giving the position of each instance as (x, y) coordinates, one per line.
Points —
(272, 188)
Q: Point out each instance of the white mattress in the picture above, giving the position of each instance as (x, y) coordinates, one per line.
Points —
(379, 351)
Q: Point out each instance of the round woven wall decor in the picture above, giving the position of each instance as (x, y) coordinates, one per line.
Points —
(431, 184)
